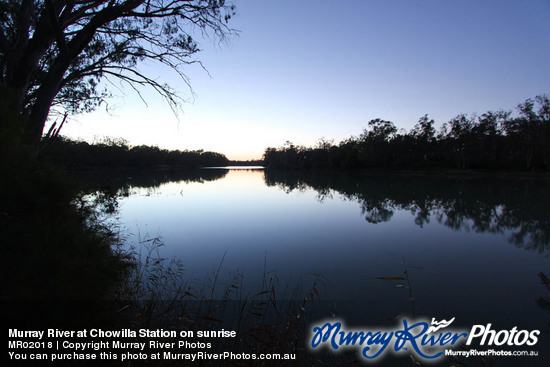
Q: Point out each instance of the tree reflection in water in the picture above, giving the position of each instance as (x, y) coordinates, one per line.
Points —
(518, 206)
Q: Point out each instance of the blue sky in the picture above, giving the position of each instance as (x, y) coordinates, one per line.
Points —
(303, 70)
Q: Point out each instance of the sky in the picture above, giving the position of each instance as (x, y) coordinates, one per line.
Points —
(303, 70)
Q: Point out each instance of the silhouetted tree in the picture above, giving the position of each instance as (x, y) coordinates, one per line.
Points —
(488, 138)
(460, 140)
(57, 52)
(375, 142)
(424, 136)
(425, 130)
(116, 153)
(494, 140)
(379, 130)
(529, 133)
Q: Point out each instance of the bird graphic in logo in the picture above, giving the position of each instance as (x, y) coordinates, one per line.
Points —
(439, 325)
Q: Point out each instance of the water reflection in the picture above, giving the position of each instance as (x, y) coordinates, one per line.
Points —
(124, 180)
(517, 207)
(103, 190)
(453, 234)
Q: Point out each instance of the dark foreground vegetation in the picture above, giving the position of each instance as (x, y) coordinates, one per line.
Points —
(493, 141)
(66, 266)
(116, 153)
(56, 249)
(63, 264)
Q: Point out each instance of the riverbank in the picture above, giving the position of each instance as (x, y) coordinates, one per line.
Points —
(450, 172)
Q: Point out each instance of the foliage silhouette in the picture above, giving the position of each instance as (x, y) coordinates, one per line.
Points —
(60, 53)
(61, 262)
(116, 154)
(492, 141)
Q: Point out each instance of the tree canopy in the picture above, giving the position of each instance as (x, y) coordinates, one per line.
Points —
(56, 53)
(494, 140)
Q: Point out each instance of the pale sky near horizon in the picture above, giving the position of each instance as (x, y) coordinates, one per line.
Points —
(303, 70)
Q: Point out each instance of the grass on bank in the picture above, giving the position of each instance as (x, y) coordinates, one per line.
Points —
(157, 294)
(65, 267)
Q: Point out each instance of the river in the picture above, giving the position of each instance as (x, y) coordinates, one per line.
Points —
(432, 246)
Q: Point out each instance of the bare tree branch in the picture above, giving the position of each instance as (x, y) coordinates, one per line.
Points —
(57, 52)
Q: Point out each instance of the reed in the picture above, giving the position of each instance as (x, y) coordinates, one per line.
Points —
(157, 294)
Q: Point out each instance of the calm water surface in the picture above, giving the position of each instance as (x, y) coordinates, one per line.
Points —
(472, 246)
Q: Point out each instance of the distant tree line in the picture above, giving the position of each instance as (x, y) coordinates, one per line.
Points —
(116, 153)
(494, 140)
